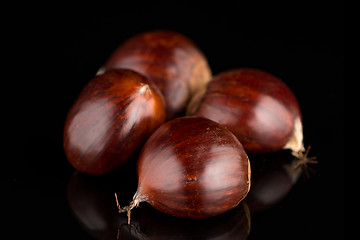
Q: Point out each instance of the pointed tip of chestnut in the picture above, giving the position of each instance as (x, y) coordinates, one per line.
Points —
(137, 199)
(192, 167)
(303, 160)
(110, 120)
(170, 60)
(295, 142)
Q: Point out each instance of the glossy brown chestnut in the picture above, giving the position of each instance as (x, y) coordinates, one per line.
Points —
(110, 120)
(169, 59)
(256, 106)
(192, 167)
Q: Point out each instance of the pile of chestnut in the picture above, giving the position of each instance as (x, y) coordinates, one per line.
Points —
(155, 100)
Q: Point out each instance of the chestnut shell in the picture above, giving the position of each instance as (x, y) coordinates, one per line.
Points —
(170, 60)
(193, 167)
(256, 106)
(110, 120)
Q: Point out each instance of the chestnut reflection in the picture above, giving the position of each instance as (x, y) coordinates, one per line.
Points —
(234, 224)
(93, 205)
(273, 176)
(92, 202)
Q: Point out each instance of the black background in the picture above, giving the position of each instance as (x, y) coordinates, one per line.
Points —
(60, 48)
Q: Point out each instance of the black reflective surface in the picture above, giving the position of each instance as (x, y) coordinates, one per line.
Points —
(64, 46)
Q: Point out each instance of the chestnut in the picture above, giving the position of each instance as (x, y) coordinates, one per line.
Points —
(256, 106)
(170, 60)
(110, 120)
(191, 167)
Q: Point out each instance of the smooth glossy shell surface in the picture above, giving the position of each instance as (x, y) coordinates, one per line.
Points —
(194, 168)
(170, 60)
(110, 120)
(255, 105)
